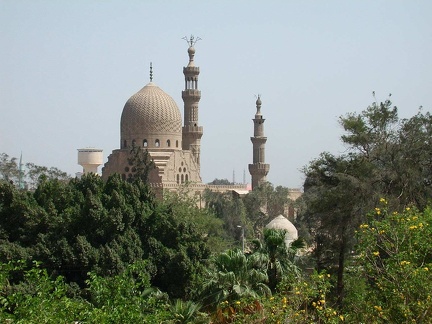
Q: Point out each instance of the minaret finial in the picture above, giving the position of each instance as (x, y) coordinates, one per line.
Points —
(258, 104)
(191, 40)
(151, 72)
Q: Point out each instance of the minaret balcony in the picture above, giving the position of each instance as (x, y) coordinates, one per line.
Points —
(191, 93)
(192, 129)
(191, 70)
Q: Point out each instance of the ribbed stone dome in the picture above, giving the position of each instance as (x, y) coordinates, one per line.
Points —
(282, 223)
(148, 114)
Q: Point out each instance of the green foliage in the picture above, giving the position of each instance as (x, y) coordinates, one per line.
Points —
(141, 162)
(386, 157)
(231, 276)
(30, 176)
(230, 210)
(265, 203)
(276, 257)
(37, 298)
(395, 262)
(90, 225)
(220, 182)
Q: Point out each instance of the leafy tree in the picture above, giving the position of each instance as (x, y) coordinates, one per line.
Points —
(395, 260)
(381, 161)
(265, 203)
(8, 168)
(141, 162)
(278, 258)
(220, 182)
(36, 173)
(230, 209)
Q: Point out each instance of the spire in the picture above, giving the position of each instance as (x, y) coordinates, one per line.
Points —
(191, 130)
(258, 169)
(151, 72)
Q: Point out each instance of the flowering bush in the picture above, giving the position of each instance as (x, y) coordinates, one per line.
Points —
(395, 260)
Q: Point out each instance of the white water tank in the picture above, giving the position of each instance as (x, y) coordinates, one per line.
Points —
(90, 159)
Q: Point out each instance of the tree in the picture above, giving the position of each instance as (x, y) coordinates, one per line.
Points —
(265, 203)
(278, 258)
(394, 261)
(381, 161)
(221, 182)
(8, 168)
(230, 209)
(141, 162)
(232, 276)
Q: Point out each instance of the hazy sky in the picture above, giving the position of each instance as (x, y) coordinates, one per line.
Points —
(68, 67)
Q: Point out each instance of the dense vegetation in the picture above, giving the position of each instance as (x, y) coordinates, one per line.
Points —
(109, 252)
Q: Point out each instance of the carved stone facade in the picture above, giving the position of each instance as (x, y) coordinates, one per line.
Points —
(152, 120)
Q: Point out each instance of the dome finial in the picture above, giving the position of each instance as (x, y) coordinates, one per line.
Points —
(151, 72)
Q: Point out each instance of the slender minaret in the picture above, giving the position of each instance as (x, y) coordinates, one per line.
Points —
(258, 169)
(191, 132)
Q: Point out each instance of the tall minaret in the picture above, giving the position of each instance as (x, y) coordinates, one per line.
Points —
(191, 132)
(258, 169)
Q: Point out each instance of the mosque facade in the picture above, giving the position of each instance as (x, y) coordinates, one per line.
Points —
(151, 120)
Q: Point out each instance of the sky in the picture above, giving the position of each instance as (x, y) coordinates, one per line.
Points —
(68, 67)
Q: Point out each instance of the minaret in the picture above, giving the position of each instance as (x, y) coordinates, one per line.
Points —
(191, 132)
(258, 169)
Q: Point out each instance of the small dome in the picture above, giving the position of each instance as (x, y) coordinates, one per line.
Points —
(150, 113)
(282, 223)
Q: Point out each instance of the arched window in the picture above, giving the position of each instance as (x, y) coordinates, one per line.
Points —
(176, 143)
(145, 143)
(182, 178)
(187, 178)
(168, 143)
(178, 179)
(157, 143)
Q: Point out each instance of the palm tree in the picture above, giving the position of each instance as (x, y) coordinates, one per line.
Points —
(280, 257)
(234, 276)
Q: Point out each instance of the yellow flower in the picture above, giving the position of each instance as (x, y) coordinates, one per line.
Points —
(407, 209)
(404, 263)
(426, 269)
(237, 302)
(413, 227)
(378, 308)
(378, 211)
(376, 253)
(364, 226)
(381, 232)
(341, 317)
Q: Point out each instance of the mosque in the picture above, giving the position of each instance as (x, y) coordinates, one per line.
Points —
(152, 120)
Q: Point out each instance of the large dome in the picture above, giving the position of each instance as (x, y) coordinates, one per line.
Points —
(150, 116)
